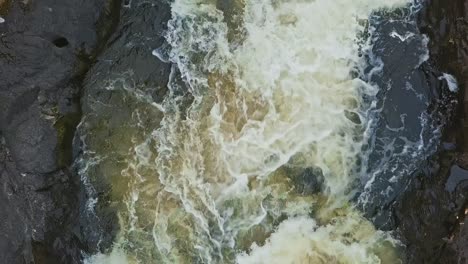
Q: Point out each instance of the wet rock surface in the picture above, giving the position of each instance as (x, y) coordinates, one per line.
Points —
(431, 214)
(45, 48)
(413, 103)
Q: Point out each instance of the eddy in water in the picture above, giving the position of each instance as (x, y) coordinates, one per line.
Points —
(254, 160)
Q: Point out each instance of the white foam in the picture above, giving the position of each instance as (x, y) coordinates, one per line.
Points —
(115, 257)
(160, 54)
(301, 240)
(425, 56)
(404, 38)
(451, 82)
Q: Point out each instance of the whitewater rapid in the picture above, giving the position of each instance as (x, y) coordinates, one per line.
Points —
(254, 160)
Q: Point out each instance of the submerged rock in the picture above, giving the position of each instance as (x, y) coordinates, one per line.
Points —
(120, 105)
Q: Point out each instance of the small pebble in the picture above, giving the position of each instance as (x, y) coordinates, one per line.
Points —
(2, 20)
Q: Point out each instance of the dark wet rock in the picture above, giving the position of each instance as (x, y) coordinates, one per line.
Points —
(458, 243)
(45, 48)
(456, 177)
(312, 179)
(413, 104)
(118, 107)
(306, 181)
(128, 60)
(35, 213)
(430, 215)
(424, 216)
(418, 149)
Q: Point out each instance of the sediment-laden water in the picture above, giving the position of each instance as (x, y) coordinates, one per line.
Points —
(263, 141)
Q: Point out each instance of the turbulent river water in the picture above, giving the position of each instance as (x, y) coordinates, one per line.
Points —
(264, 148)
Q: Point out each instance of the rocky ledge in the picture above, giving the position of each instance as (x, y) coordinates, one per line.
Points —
(46, 48)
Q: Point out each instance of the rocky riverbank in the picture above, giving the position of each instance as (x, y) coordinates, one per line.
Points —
(46, 48)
